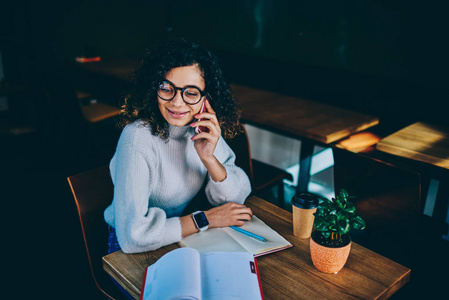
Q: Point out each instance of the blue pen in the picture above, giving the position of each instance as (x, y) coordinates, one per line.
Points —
(260, 238)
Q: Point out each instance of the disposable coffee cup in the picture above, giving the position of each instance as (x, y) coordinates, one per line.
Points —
(304, 206)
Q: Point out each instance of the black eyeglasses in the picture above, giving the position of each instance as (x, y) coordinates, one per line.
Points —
(190, 94)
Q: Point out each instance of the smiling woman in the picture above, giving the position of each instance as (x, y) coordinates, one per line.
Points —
(178, 109)
(162, 167)
(158, 65)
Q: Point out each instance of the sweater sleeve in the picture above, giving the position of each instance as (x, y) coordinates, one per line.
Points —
(139, 228)
(236, 186)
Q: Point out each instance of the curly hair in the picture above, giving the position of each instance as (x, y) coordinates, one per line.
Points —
(141, 100)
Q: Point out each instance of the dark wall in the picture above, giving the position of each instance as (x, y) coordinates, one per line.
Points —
(380, 57)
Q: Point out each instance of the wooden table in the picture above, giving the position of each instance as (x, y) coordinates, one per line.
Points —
(419, 141)
(310, 121)
(97, 111)
(428, 144)
(119, 68)
(288, 274)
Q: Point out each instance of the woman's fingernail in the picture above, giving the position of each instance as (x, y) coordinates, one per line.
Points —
(192, 124)
(196, 116)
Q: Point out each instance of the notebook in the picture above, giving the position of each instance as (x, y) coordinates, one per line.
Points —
(227, 239)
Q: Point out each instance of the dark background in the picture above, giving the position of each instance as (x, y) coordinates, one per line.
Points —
(385, 58)
(380, 57)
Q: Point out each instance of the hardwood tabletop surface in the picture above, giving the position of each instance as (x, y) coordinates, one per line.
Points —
(119, 68)
(96, 112)
(287, 274)
(419, 141)
(299, 117)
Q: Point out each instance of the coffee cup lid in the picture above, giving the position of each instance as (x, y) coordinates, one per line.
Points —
(305, 200)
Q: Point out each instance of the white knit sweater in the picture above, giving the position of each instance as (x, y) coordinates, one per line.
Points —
(154, 180)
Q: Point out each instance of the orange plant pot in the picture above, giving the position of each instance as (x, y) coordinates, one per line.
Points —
(329, 260)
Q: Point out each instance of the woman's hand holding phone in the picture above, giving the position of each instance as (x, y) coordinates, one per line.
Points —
(208, 131)
(206, 126)
(206, 141)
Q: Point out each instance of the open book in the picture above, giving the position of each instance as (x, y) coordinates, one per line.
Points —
(184, 273)
(229, 240)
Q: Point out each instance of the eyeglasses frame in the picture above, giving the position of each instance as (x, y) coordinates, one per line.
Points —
(202, 93)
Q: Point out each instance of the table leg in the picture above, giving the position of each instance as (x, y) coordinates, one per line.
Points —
(305, 162)
(442, 205)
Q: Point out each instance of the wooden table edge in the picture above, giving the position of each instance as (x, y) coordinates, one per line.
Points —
(400, 282)
(285, 131)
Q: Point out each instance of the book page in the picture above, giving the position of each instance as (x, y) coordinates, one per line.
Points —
(229, 275)
(228, 240)
(176, 275)
(274, 241)
(212, 240)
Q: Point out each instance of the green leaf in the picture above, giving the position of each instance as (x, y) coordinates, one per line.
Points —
(337, 215)
(343, 226)
(318, 213)
(320, 224)
(326, 205)
(358, 223)
(350, 208)
(340, 206)
(326, 234)
(344, 194)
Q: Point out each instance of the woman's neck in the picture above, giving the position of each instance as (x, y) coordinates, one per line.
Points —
(177, 132)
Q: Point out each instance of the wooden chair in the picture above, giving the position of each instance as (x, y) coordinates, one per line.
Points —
(261, 175)
(93, 192)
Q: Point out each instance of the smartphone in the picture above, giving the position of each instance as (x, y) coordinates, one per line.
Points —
(201, 128)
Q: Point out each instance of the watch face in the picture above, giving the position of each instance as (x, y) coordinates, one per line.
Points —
(201, 220)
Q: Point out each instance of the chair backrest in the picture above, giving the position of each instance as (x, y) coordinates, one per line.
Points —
(93, 191)
(240, 145)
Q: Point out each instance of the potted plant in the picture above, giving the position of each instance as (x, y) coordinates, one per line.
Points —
(330, 242)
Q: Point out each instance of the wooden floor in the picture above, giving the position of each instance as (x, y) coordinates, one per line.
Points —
(43, 247)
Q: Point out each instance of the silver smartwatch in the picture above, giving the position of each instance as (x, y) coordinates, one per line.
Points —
(200, 220)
